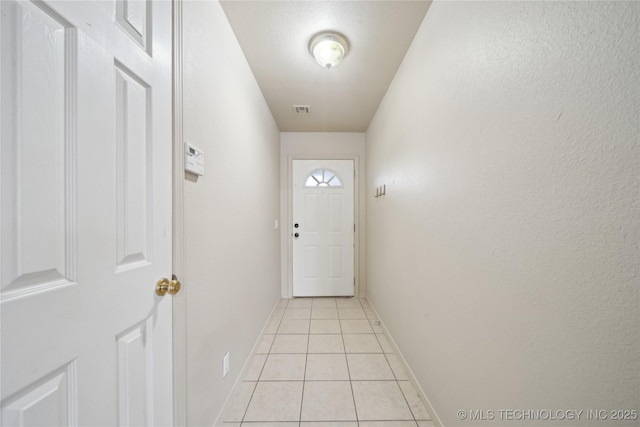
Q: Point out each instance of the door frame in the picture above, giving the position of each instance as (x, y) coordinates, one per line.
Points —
(288, 226)
(179, 300)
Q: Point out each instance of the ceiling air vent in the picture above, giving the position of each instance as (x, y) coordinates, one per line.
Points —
(301, 110)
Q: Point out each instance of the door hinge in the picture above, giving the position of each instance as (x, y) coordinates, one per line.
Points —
(354, 228)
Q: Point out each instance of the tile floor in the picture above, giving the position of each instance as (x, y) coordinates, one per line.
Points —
(324, 362)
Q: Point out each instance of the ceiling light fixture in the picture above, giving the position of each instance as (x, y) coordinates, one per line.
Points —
(328, 48)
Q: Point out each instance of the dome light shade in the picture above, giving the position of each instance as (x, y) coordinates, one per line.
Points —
(328, 49)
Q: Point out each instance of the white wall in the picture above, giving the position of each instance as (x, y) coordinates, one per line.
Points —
(322, 145)
(504, 257)
(232, 248)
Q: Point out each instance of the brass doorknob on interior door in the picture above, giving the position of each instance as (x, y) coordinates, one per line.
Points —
(174, 285)
(166, 286)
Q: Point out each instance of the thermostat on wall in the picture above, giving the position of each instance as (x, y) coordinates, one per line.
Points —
(193, 159)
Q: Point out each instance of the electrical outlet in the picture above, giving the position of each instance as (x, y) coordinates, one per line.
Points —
(225, 365)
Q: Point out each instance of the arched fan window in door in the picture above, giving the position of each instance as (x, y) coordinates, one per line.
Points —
(323, 178)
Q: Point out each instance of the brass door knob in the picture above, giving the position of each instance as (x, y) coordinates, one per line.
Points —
(165, 286)
(174, 285)
(162, 287)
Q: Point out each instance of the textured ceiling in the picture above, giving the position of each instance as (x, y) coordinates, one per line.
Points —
(274, 36)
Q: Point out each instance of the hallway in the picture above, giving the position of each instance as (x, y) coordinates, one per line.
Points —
(325, 362)
(149, 224)
(503, 253)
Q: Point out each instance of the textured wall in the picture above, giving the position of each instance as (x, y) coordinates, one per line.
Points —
(504, 258)
(232, 248)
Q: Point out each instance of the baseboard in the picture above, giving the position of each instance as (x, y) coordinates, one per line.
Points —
(435, 418)
(218, 422)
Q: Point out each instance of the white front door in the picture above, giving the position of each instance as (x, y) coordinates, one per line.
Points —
(86, 213)
(323, 228)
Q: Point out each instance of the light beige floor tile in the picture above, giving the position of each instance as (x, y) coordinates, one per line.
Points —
(297, 313)
(294, 326)
(415, 403)
(351, 313)
(324, 313)
(290, 344)
(223, 424)
(321, 326)
(300, 303)
(329, 424)
(324, 303)
(364, 303)
(264, 344)
(385, 343)
(369, 367)
(348, 303)
(361, 343)
(275, 401)
(426, 424)
(380, 401)
(356, 326)
(397, 367)
(239, 401)
(272, 326)
(283, 303)
(271, 424)
(387, 424)
(326, 343)
(255, 367)
(326, 367)
(328, 401)
(283, 367)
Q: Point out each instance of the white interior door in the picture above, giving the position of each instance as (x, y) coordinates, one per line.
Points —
(86, 213)
(323, 228)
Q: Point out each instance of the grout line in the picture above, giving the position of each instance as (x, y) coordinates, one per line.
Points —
(270, 347)
(396, 380)
(262, 369)
(354, 396)
(357, 421)
(320, 381)
(244, 414)
(346, 360)
(434, 418)
(306, 364)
